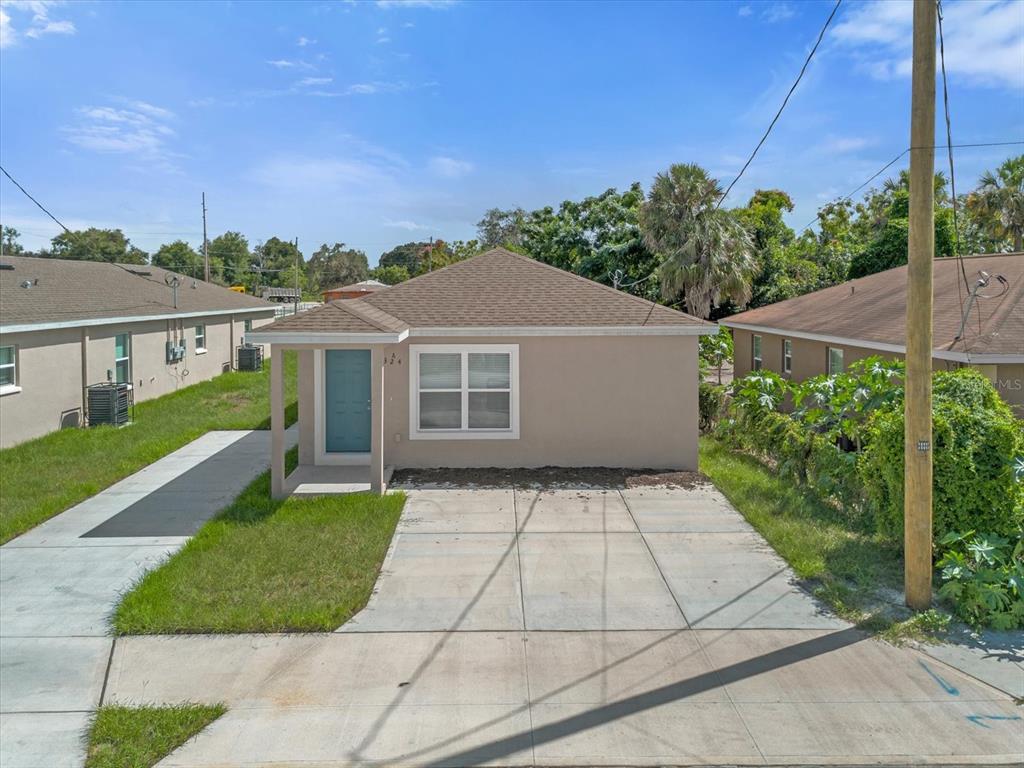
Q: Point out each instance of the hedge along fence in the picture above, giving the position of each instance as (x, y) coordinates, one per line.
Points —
(843, 440)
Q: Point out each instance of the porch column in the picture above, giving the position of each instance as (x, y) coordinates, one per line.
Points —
(377, 419)
(276, 423)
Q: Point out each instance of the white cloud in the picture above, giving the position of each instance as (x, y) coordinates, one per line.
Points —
(984, 40)
(745, 10)
(433, 5)
(410, 226)
(366, 89)
(289, 64)
(449, 167)
(777, 12)
(308, 81)
(39, 24)
(304, 41)
(141, 129)
(408, 25)
(840, 144)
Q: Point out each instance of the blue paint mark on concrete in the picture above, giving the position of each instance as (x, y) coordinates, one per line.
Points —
(950, 689)
(977, 719)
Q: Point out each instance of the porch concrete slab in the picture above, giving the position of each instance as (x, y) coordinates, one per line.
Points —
(725, 580)
(888, 733)
(996, 658)
(319, 737)
(318, 480)
(260, 671)
(685, 511)
(603, 667)
(591, 581)
(43, 739)
(578, 510)
(432, 582)
(634, 733)
(765, 666)
(52, 674)
(66, 591)
(458, 510)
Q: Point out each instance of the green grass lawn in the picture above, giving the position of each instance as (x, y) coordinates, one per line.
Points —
(820, 542)
(301, 565)
(138, 737)
(45, 476)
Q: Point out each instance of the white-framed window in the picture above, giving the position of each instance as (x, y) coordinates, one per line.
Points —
(123, 358)
(9, 370)
(835, 361)
(755, 348)
(200, 339)
(787, 356)
(464, 392)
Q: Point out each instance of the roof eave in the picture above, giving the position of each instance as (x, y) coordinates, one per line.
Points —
(121, 319)
(323, 337)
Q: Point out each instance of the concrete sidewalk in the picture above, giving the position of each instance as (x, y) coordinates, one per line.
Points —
(60, 581)
(573, 627)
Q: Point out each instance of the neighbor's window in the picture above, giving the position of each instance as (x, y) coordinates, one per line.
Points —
(123, 358)
(464, 392)
(200, 338)
(835, 361)
(787, 356)
(756, 349)
(8, 369)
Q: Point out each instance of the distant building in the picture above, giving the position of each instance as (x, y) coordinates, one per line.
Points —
(825, 331)
(67, 324)
(353, 291)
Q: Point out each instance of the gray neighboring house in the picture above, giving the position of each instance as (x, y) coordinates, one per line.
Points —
(67, 324)
(496, 361)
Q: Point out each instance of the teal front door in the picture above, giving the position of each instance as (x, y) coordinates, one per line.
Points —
(347, 400)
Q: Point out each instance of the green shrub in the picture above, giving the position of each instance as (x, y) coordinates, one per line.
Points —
(976, 442)
(983, 577)
(711, 402)
(715, 351)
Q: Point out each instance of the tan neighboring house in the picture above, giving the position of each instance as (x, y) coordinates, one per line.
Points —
(496, 361)
(67, 324)
(825, 331)
(353, 291)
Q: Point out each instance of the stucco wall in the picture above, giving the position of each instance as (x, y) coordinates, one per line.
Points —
(584, 401)
(50, 370)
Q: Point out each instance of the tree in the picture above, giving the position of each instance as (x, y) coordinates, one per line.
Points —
(335, 265)
(235, 260)
(179, 256)
(278, 263)
(407, 255)
(998, 202)
(392, 274)
(888, 248)
(97, 245)
(501, 228)
(707, 255)
(9, 245)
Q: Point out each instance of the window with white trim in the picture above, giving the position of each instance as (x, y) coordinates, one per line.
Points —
(200, 339)
(8, 369)
(464, 391)
(755, 349)
(123, 358)
(787, 356)
(835, 361)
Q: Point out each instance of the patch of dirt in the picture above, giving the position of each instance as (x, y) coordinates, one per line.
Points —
(549, 477)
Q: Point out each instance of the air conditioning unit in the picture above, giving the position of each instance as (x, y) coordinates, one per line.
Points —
(249, 357)
(175, 352)
(109, 404)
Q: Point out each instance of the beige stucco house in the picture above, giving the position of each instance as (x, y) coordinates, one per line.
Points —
(67, 324)
(825, 331)
(496, 361)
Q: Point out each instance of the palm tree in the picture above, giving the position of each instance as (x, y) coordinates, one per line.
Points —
(707, 255)
(999, 199)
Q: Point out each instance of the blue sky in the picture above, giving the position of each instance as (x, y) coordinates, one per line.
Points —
(377, 123)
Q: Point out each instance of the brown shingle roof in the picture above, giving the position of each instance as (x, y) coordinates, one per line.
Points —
(873, 308)
(342, 316)
(495, 289)
(67, 291)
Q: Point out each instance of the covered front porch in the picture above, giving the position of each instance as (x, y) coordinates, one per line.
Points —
(340, 421)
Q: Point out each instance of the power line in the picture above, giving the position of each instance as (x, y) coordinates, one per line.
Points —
(38, 204)
(785, 101)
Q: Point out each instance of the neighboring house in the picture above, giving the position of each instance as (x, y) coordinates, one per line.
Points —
(354, 291)
(496, 361)
(67, 324)
(825, 331)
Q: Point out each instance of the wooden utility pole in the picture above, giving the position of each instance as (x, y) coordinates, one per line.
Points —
(206, 245)
(917, 449)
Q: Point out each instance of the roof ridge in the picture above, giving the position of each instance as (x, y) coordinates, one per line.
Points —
(342, 305)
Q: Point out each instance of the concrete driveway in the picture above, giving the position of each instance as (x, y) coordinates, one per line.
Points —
(573, 627)
(60, 581)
